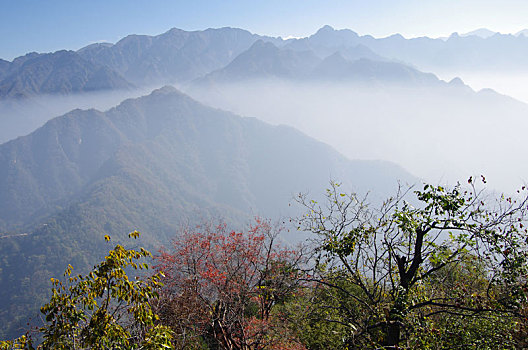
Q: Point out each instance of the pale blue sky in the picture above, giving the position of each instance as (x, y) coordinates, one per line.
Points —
(49, 25)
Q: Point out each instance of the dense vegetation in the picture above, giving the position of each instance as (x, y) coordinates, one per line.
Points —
(447, 271)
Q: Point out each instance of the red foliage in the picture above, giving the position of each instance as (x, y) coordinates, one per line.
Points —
(222, 285)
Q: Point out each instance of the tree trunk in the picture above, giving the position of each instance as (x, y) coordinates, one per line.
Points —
(392, 334)
(395, 320)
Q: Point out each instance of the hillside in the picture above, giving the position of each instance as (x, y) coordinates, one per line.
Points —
(62, 72)
(153, 164)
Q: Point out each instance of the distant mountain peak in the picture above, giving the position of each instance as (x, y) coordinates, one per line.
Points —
(397, 36)
(227, 29)
(483, 33)
(326, 29)
(263, 45)
(328, 36)
(457, 81)
(174, 56)
(173, 31)
(265, 60)
(166, 90)
(26, 57)
(99, 45)
(523, 32)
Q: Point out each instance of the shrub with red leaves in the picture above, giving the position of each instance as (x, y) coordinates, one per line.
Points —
(221, 287)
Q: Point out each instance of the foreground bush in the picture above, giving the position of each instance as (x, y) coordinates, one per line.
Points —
(103, 309)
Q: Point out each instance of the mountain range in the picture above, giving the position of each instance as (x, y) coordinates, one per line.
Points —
(172, 57)
(264, 60)
(202, 62)
(371, 109)
(179, 56)
(498, 52)
(486, 33)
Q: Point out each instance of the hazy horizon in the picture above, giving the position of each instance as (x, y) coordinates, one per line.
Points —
(95, 21)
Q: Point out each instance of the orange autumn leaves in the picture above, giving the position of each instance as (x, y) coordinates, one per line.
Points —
(222, 287)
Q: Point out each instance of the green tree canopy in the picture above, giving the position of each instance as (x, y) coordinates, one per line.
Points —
(104, 309)
(389, 266)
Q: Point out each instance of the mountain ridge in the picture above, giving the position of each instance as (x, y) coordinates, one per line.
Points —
(165, 58)
(60, 72)
(152, 163)
(179, 56)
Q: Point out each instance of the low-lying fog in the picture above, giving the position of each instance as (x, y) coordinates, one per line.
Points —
(440, 135)
(514, 84)
(22, 116)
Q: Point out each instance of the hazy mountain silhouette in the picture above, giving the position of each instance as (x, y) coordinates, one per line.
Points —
(522, 32)
(179, 56)
(61, 72)
(483, 33)
(336, 68)
(263, 61)
(496, 52)
(174, 56)
(326, 41)
(376, 110)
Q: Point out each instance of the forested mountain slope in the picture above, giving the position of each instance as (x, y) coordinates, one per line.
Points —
(152, 164)
(62, 72)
